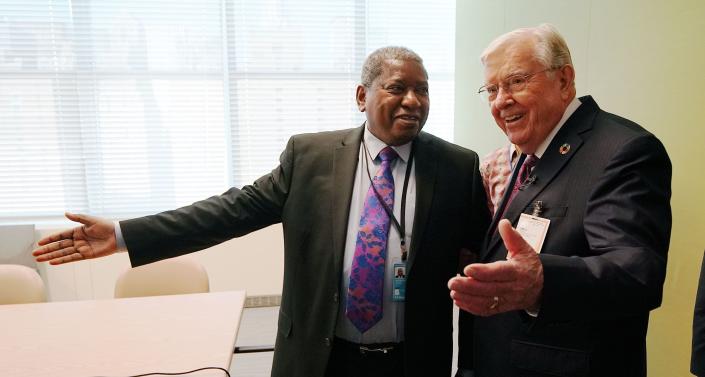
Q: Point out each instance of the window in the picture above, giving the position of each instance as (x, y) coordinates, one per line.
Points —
(122, 108)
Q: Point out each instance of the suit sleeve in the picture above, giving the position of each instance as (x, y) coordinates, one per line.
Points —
(211, 221)
(627, 225)
(479, 222)
(697, 358)
(479, 215)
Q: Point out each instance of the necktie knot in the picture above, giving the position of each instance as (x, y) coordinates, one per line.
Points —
(387, 154)
(531, 161)
(526, 168)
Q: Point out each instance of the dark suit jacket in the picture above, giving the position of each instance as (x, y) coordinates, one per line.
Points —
(697, 358)
(604, 258)
(310, 193)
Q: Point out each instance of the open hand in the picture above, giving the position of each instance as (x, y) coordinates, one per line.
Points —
(514, 284)
(93, 239)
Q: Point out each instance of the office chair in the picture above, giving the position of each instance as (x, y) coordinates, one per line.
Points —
(20, 285)
(167, 277)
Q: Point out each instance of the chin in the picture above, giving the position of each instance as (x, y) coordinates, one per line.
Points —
(408, 134)
(403, 138)
(517, 137)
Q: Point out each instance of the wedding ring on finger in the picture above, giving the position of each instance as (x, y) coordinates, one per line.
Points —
(495, 303)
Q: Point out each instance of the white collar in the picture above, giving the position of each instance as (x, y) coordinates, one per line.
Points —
(375, 145)
(569, 110)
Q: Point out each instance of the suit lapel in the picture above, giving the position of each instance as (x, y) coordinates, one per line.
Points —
(552, 162)
(425, 173)
(345, 159)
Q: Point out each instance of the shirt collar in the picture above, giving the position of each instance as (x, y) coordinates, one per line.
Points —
(512, 155)
(569, 110)
(375, 145)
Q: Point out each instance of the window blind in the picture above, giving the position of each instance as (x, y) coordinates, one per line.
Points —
(123, 108)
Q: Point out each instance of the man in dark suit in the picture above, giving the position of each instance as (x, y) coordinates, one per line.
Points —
(697, 357)
(321, 193)
(568, 292)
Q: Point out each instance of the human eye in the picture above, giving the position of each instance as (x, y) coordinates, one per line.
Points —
(516, 81)
(395, 89)
(423, 90)
(492, 89)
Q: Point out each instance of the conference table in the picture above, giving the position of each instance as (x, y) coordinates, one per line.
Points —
(121, 337)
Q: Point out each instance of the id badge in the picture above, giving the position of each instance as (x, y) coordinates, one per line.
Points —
(399, 282)
(533, 229)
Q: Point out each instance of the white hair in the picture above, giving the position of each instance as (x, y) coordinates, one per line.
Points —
(550, 49)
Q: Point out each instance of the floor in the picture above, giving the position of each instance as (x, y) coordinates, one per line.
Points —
(258, 327)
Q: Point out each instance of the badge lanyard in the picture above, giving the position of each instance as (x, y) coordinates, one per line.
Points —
(400, 227)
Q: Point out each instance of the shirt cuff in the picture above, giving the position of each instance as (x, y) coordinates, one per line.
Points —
(533, 313)
(121, 247)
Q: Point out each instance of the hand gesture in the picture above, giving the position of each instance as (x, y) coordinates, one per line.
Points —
(514, 284)
(94, 239)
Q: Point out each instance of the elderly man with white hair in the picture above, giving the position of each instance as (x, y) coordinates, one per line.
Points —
(575, 257)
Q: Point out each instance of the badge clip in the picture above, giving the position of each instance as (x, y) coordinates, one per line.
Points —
(538, 208)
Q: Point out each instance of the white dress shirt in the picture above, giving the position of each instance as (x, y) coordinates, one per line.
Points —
(391, 327)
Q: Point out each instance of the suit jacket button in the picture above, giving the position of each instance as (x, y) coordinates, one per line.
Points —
(335, 297)
(327, 342)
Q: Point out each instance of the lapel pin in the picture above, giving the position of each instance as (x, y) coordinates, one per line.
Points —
(565, 148)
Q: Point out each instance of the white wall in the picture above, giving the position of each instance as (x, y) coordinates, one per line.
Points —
(642, 60)
(254, 263)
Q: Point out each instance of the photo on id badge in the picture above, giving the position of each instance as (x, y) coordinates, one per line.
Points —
(399, 289)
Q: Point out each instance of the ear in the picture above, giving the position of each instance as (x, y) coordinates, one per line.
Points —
(360, 96)
(567, 78)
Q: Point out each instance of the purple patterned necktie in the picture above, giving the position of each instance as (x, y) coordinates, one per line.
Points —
(364, 302)
(522, 177)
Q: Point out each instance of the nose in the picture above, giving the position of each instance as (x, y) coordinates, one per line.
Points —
(504, 98)
(411, 99)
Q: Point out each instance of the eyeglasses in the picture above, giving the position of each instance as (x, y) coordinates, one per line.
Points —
(512, 84)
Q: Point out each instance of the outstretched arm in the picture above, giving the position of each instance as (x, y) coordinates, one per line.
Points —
(95, 238)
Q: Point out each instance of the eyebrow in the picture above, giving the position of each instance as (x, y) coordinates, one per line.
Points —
(516, 73)
(519, 73)
(402, 82)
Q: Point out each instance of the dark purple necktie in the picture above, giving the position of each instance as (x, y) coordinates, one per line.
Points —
(522, 178)
(365, 290)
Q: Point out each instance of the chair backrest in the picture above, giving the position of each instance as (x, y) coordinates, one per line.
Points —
(20, 285)
(167, 277)
(17, 245)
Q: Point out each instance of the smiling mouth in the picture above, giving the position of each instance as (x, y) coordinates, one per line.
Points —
(513, 118)
(408, 118)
